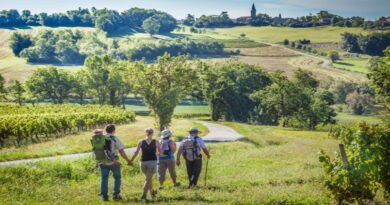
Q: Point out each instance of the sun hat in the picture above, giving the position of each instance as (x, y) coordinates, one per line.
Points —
(194, 129)
(166, 133)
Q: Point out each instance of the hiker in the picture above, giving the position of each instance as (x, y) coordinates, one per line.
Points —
(106, 149)
(191, 148)
(150, 149)
(168, 148)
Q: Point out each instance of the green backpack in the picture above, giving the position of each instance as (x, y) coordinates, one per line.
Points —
(101, 147)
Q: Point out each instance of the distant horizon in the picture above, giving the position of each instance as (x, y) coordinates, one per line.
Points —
(369, 9)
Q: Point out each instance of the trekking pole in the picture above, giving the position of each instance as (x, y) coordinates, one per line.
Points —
(205, 174)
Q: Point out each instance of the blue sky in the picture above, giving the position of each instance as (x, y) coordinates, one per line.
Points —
(370, 9)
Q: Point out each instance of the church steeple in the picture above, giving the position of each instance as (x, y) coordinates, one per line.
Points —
(253, 11)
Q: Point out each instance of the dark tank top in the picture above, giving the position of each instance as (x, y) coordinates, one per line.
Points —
(148, 151)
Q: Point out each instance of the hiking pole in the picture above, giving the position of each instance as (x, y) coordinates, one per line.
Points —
(205, 174)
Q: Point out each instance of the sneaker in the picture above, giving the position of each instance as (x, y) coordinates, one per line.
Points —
(143, 198)
(177, 184)
(105, 199)
(117, 197)
(153, 193)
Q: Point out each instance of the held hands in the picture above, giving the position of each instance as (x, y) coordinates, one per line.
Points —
(130, 162)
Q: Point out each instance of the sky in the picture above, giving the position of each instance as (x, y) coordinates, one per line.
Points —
(370, 9)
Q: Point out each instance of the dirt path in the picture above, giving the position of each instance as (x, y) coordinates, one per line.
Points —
(217, 133)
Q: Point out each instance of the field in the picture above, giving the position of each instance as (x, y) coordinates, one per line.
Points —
(252, 50)
(278, 34)
(271, 175)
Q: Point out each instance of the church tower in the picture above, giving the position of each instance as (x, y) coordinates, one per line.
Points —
(253, 11)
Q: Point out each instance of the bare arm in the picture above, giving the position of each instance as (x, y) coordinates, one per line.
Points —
(124, 155)
(136, 152)
(206, 151)
(173, 146)
(158, 149)
(178, 156)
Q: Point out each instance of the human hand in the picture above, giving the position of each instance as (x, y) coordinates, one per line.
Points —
(178, 162)
(130, 163)
(116, 162)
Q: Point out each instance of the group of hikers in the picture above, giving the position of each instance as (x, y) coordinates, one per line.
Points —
(156, 157)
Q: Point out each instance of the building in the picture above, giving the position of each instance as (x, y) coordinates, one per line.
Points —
(253, 11)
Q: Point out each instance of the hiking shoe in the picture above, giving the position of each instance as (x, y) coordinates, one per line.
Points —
(117, 197)
(161, 188)
(143, 198)
(177, 184)
(153, 193)
(105, 199)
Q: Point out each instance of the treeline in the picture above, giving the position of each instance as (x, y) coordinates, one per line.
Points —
(322, 18)
(72, 47)
(27, 124)
(371, 44)
(107, 20)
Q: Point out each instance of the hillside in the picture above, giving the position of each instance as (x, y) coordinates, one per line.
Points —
(252, 49)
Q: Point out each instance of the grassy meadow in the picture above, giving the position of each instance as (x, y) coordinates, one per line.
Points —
(281, 167)
(272, 34)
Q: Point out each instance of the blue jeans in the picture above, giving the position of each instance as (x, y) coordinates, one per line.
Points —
(105, 172)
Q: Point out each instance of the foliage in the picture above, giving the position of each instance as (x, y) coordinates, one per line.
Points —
(380, 78)
(107, 20)
(105, 79)
(333, 56)
(296, 103)
(151, 25)
(17, 90)
(372, 44)
(189, 20)
(360, 103)
(53, 47)
(50, 83)
(2, 87)
(24, 124)
(214, 21)
(163, 84)
(228, 86)
(367, 149)
(18, 42)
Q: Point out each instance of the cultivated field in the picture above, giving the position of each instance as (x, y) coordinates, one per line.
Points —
(278, 34)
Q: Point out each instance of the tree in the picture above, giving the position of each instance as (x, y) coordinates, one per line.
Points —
(97, 76)
(333, 56)
(79, 85)
(360, 103)
(286, 42)
(189, 20)
(16, 90)
(305, 79)
(227, 88)
(151, 26)
(51, 83)
(350, 42)
(162, 85)
(380, 78)
(2, 87)
(18, 42)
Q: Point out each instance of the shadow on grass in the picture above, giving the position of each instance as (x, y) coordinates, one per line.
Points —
(247, 140)
(344, 63)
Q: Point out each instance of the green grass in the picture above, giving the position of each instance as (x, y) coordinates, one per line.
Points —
(356, 64)
(349, 118)
(271, 165)
(178, 110)
(278, 34)
(78, 143)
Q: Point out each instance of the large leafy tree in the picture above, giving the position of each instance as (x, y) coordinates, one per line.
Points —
(16, 90)
(51, 83)
(163, 84)
(151, 25)
(18, 42)
(227, 87)
(105, 79)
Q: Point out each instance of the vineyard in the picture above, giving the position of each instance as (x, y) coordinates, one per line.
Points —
(31, 124)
